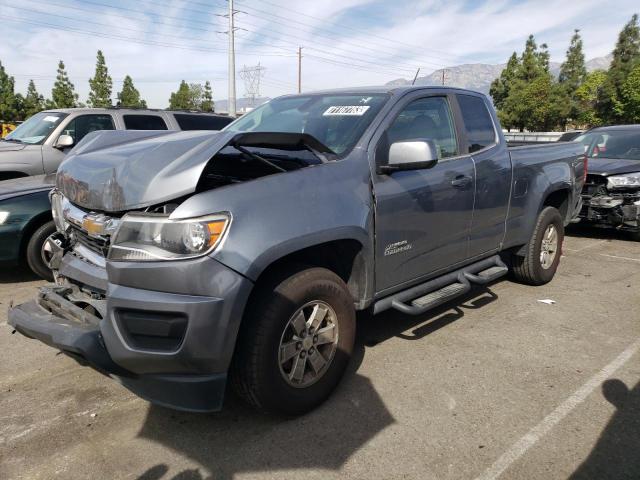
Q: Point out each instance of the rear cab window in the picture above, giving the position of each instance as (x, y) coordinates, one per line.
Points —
(478, 123)
(144, 122)
(188, 121)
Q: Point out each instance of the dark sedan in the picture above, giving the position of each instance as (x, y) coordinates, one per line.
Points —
(611, 194)
(26, 222)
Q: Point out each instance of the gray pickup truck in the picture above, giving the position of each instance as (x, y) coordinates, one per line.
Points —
(38, 145)
(186, 258)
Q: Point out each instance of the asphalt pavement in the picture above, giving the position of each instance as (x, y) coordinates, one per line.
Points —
(494, 385)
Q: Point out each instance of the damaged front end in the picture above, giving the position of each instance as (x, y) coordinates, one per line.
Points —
(608, 205)
(120, 301)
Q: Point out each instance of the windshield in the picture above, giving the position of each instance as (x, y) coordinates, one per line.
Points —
(337, 121)
(37, 128)
(623, 144)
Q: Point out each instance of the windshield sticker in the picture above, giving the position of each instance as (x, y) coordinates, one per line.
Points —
(351, 110)
(51, 118)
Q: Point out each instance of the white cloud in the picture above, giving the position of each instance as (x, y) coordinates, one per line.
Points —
(444, 33)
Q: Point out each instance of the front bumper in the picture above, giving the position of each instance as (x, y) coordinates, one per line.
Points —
(188, 373)
(611, 213)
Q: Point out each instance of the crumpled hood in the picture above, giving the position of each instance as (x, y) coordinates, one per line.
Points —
(11, 146)
(612, 166)
(26, 185)
(115, 171)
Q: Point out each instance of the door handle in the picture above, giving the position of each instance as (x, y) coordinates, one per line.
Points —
(461, 181)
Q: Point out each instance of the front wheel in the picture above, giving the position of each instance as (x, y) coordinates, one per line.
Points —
(542, 256)
(38, 254)
(295, 343)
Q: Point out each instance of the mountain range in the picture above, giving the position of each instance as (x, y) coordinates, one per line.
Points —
(478, 76)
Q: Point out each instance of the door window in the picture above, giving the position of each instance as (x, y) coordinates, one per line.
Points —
(187, 121)
(477, 123)
(426, 119)
(80, 126)
(144, 122)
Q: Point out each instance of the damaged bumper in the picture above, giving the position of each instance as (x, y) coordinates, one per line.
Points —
(612, 211)
(168, 348)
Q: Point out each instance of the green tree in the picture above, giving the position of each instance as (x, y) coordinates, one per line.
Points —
(130, 96)
(525, 93)
(626, 55)
(63, 94)
(630, 96)
(534, 62)
(8, 101)
(33, 102)
(500, 87)
(101, 84)
(587, 96)
(179, 99)
(207, 98)
(573, 73)
(187, 97)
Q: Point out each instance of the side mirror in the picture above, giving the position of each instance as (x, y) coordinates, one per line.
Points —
(411, 155)
(64, 141)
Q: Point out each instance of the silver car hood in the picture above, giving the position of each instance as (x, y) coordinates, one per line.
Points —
(115, 171)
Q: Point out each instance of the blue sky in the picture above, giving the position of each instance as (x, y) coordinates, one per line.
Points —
(345, 42)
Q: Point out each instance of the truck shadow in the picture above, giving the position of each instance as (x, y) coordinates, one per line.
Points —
(239, 440)
(17, 274)
(585, 231)
(615, 455)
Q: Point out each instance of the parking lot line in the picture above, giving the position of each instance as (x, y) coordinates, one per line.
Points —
(591, 245)
(619, 257)
(519, 448)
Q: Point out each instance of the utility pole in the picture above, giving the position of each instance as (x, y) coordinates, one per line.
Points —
(415, 77)
(232, 64)
(299, 69)
(444, 76)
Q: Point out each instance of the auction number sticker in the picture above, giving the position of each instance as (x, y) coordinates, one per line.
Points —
(350, 110)
(51, 118)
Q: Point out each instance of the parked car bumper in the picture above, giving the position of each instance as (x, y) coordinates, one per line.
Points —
(169, 348)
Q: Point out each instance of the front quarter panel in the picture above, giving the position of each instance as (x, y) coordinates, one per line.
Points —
(283, 213)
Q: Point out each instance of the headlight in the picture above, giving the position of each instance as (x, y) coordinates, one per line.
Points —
(628, 180)
(144, 238)
(3, 217)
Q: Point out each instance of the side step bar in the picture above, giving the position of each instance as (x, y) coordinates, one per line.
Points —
(423, 297)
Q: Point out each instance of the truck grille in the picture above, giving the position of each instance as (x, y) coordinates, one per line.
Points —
(97, 245)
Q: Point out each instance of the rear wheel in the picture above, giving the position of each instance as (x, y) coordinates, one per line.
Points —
(542, 257)
(37, 254)
(635, 236)
(296, 342)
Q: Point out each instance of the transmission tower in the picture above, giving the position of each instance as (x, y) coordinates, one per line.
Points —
(251, 77)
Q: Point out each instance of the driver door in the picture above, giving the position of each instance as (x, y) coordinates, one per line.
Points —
(423, 216)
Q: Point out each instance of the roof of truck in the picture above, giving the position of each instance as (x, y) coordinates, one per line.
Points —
(388, 89)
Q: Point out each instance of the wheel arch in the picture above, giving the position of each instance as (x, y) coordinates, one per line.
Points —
(346, 257)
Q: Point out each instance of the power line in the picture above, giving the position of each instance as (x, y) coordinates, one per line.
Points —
(128, 39)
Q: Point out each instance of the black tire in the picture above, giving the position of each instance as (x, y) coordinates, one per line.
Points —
(256, 372)
(635, 236)
(528, 268)
(34, 254)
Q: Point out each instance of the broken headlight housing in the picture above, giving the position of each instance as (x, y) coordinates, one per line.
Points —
(622, 181)
(144, 238)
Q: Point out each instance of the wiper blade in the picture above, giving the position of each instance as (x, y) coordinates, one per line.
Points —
(255, 156)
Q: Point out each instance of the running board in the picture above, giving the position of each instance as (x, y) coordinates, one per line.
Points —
(423, 297)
